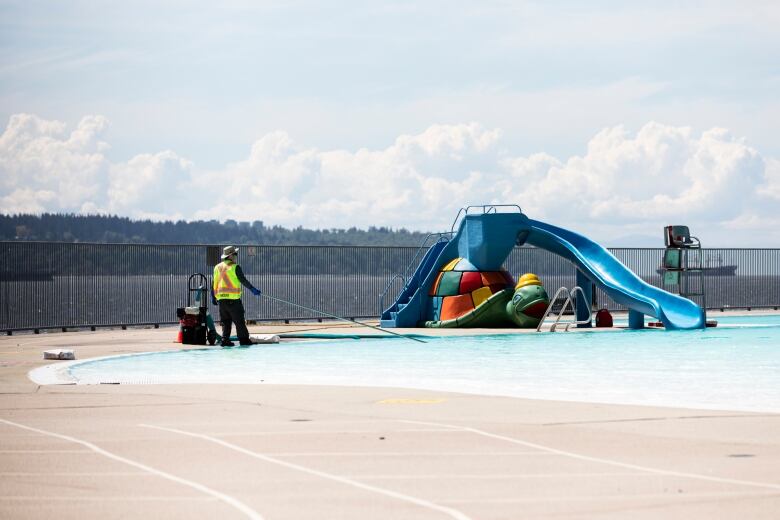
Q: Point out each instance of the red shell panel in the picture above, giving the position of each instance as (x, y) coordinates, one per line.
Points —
(496, 287)
(493, 278)
(508, 278)
(470, 281)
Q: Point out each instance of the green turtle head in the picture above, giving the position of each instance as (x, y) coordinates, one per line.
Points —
(529, 302)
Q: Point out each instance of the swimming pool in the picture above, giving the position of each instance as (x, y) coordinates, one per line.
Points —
(735, 366)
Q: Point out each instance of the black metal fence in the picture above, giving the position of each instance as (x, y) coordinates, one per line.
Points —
(53, 285)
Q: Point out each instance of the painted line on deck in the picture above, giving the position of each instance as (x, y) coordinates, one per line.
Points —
(599, 460)
(449, 476)
(248, 511)
(73, 474)
(287, 433)
(130, 498)
(405, 453)
(683, 497)
(454, 513)
(44, 451)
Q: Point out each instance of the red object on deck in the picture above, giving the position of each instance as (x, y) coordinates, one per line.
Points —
(603, 318)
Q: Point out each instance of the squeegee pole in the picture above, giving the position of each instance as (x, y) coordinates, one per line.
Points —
(342, 319)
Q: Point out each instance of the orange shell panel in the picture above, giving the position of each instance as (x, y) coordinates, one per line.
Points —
(456, 306)
(435, 285)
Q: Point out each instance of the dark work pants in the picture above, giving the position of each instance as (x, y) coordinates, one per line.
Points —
(232, 311)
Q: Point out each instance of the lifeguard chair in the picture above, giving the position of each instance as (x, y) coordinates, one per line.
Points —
(682, 268)
(680, 236)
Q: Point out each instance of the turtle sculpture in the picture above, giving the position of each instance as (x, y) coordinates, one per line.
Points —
(463, 296)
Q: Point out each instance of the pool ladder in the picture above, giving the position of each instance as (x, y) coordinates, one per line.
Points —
(568, 302)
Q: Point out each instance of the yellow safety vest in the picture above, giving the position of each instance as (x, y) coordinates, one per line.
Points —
(226, 285)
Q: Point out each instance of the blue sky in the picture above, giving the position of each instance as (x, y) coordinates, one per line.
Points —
(379, 113)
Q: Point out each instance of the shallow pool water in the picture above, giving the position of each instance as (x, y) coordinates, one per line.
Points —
(735, 366)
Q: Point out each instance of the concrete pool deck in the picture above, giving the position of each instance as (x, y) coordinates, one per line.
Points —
(258, 451)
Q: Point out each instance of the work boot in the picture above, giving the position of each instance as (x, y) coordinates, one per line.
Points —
(227, 343)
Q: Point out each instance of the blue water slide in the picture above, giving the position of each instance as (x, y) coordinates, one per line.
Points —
(620, 283)
(486, 240)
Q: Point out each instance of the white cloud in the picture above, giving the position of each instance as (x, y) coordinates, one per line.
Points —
(662, 173)
(150, 185)
(417, 180)
(625, 183)
(772, 187)
(45, 168)
(40, 156)
(25, 200)
(635, 184)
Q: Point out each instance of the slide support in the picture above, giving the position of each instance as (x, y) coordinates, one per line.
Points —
(583, 306)
(636, 320)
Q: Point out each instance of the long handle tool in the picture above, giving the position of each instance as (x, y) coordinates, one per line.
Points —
(343, 319)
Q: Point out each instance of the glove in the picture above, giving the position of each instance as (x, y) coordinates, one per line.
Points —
(256, 291)
(214, 301)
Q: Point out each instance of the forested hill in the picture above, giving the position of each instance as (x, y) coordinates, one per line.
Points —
(112, 229)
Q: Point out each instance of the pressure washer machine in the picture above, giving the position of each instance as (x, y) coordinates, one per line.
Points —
(197, 326)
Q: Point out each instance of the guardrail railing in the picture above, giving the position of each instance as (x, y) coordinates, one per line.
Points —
(66, 285)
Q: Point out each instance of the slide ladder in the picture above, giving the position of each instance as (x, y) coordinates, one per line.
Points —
(409, 291)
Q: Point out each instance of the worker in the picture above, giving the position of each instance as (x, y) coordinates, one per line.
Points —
(226, 292)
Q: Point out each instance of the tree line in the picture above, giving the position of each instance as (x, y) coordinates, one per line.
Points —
(114, 229)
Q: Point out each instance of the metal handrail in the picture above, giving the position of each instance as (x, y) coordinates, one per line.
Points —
(422, 247)
(549, 309)
(461, 210)
(568, 302)
(387, 288)
(406, 276)
(573, 299)
(486, 208)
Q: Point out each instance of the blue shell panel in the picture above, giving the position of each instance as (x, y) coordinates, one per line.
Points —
(464, 265)
(436, 301)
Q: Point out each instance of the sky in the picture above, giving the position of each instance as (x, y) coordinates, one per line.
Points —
(609, 118)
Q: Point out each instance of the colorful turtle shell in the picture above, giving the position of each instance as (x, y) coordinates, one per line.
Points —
(460, 289)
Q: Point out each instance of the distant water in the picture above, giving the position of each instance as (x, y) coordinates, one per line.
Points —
(732, 367)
